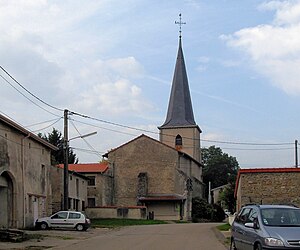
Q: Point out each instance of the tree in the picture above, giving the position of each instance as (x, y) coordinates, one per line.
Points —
(56, 139)
(220, 169)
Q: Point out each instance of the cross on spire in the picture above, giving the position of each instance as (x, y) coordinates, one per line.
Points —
(180, 23)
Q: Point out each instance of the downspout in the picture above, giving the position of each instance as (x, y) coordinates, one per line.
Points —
(23, 177)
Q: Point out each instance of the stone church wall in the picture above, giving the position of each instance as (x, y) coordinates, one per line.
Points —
(142, 155)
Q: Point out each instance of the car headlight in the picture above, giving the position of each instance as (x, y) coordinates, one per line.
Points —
(273, 242)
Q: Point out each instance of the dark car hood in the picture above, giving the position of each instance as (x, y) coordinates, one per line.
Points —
(284, 233)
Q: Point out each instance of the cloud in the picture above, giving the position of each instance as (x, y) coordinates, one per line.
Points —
(56, 56)
(274, 49)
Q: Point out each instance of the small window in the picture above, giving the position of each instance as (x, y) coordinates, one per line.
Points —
(70, 203)
(74, 216)
(91, 202)
(91, 181)
(178, 140)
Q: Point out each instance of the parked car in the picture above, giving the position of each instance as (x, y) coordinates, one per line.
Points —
(259, 227)
(64, 219)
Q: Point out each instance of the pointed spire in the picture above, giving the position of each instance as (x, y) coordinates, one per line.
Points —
(180, 111)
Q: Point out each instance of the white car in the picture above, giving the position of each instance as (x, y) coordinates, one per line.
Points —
(64, 219)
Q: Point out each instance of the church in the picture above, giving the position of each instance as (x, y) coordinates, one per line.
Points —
(162, 175)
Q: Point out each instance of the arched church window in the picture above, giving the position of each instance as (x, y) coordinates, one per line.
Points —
(178, 140)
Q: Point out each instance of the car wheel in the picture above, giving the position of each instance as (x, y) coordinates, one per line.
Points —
(79, 227)
(232, 245)
(44, 226)
(257, 246)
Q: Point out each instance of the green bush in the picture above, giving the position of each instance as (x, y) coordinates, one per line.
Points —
(204, 212)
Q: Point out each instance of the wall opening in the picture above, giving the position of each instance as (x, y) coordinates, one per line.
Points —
(7, 201)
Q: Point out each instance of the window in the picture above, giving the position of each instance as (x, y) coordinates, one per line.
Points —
(178, 140)
(60, 215)
(70, 203)
(242, 217)
(83, 205)
(91, 202)
(252, 216)
(77, 187)
(74, 216)
(91, 181)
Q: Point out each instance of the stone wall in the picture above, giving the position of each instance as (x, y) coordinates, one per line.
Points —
(269, 188)
(116, 212)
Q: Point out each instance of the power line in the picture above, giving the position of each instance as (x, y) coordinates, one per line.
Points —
(121, 125)
(108, 129)
(39, 123)
(89, 145)
(26, 96)
(248, 143)
(257, 149)
(57, 120)
(156, 133)
(88, 151)
(112, 123)
(49, 105)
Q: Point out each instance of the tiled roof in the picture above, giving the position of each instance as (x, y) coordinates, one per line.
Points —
(262, 170)
(87, 167)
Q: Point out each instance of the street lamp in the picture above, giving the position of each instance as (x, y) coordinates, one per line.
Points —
(66, 165)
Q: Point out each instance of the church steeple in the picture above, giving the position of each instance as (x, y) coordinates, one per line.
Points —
(180, 129)
(180, 111)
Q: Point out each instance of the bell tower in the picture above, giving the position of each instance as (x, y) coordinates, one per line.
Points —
(180, 129)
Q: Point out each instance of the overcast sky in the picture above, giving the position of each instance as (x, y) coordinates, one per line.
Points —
(114, 60)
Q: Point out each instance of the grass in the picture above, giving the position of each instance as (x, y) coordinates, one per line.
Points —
(113, 223)
(224, 227)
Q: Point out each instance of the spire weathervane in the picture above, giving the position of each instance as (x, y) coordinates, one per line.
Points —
(180, 23)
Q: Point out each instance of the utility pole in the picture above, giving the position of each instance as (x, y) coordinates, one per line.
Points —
(66, 162)
(296, 153)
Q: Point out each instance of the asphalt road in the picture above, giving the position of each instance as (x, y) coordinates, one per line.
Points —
(166, 237)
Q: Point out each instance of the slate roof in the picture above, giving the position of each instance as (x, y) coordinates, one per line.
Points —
(180, 110)
(87, 167)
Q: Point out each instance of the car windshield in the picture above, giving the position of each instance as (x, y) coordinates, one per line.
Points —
(281, 217)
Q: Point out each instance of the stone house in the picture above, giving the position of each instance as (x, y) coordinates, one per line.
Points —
(96, 182)
(25, 187)
(150, 173)
(215, 193)
(77, 189)
(268, 186)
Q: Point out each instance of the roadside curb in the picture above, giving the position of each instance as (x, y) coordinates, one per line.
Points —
(222, 236)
